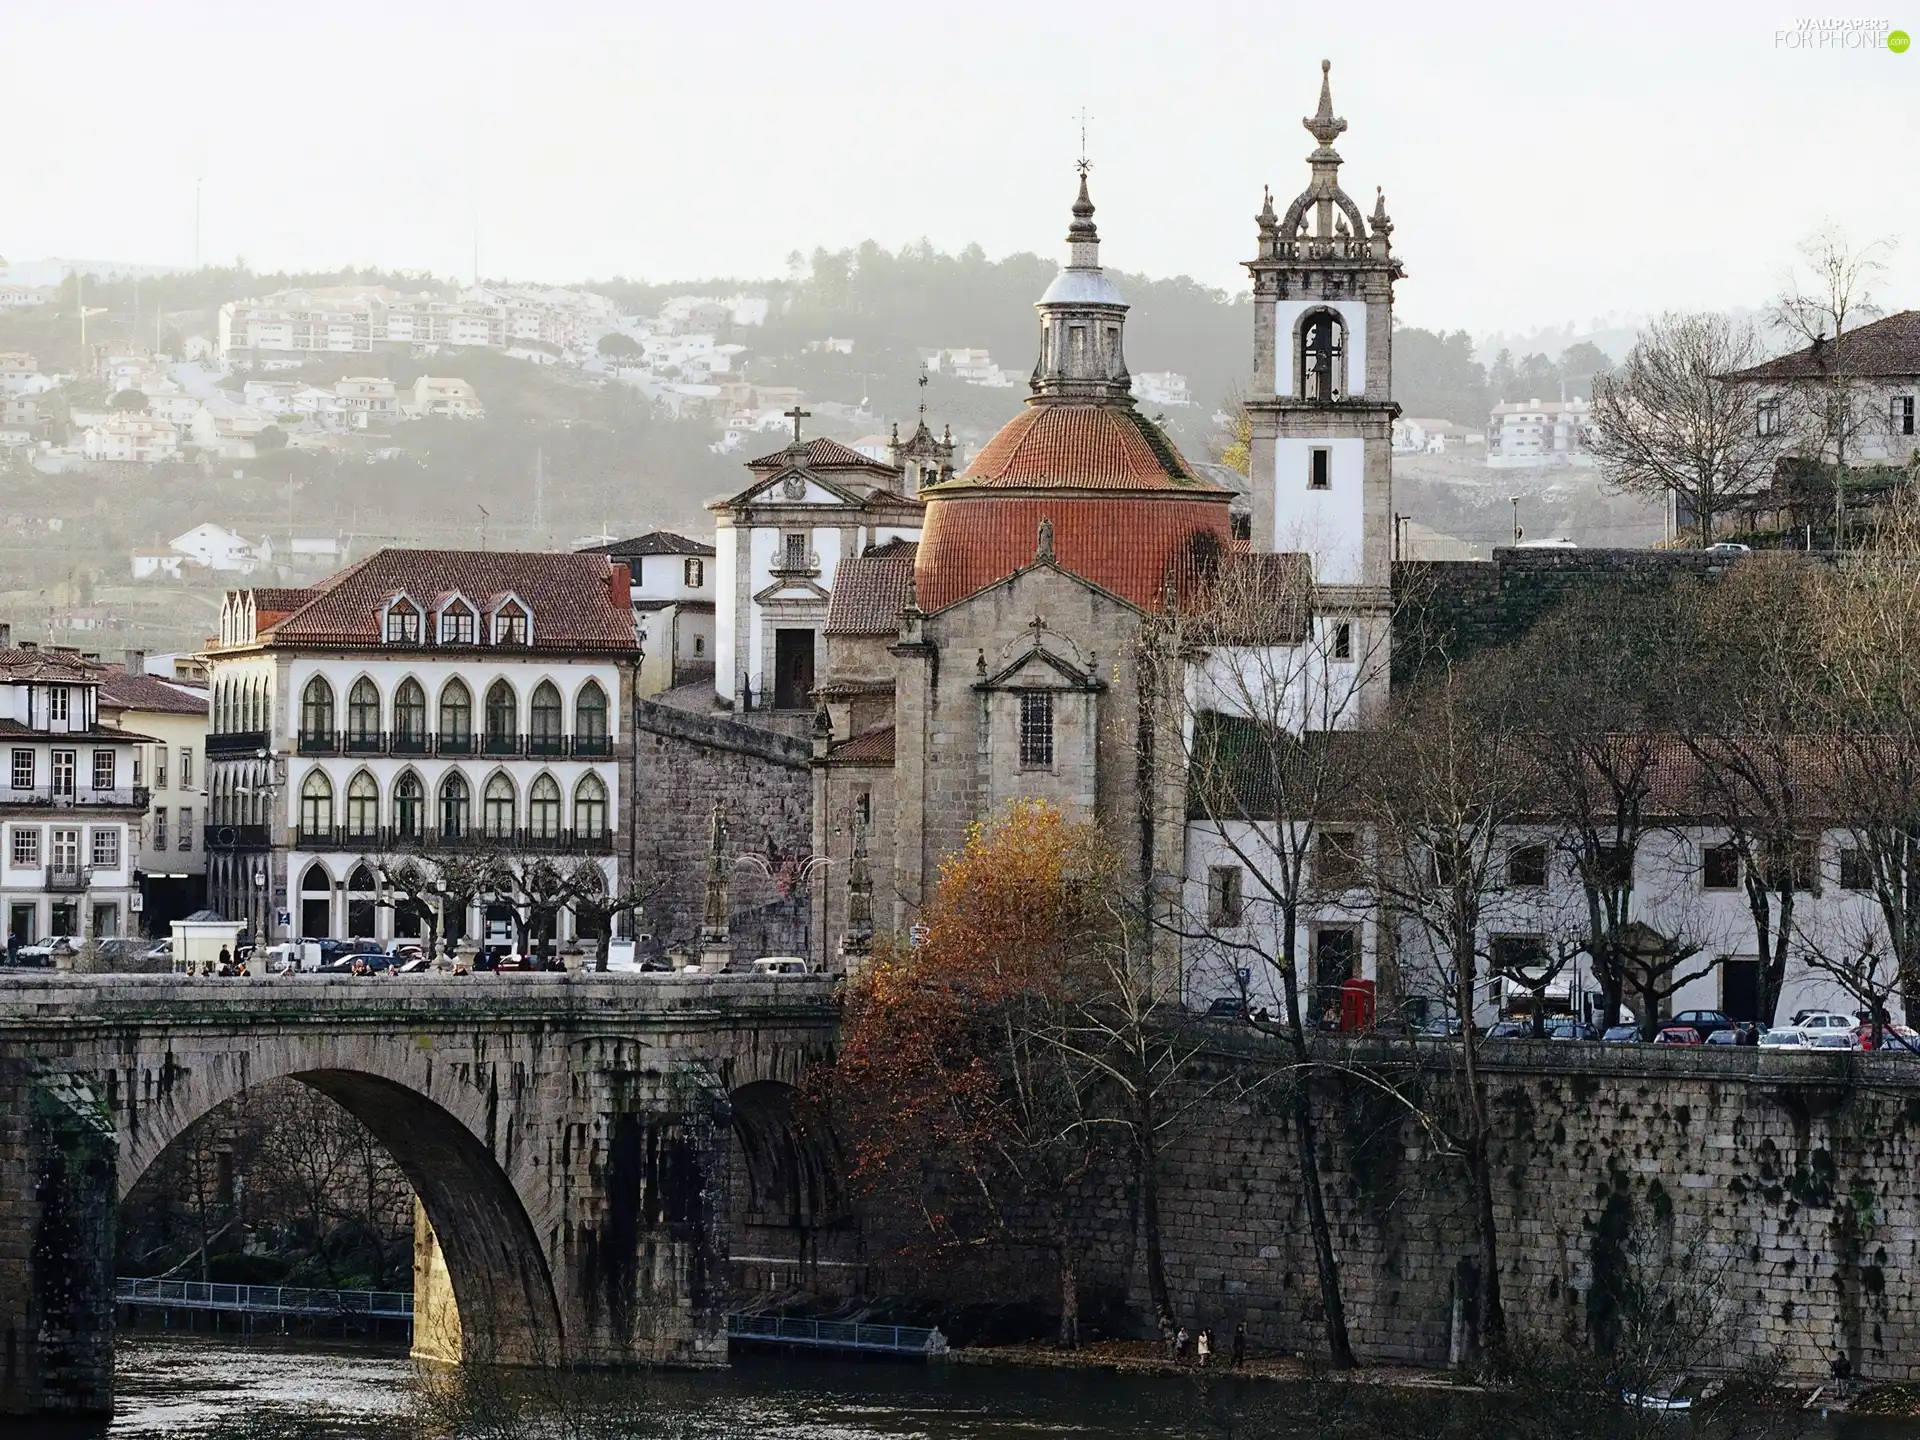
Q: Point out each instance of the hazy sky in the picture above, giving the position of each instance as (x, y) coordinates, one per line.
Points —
(1543, 162)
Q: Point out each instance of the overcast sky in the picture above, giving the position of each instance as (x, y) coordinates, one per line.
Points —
(1542, 162)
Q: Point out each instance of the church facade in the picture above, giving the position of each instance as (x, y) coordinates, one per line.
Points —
(1005, 651)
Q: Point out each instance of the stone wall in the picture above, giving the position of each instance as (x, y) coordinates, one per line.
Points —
(1791, 1181)
(760, 775)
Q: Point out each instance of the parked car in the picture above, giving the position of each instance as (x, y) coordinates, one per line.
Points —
(1570, 1030)
(1785, 1038)
(794, 965)
(1814, 1023)
(1833, 1040)
(418, 965)
(1621, 1035)
(1728, 547)
(1511, 1030)
(1444, 1027)
(42, 953)
(1725, 1038)
(160, 950)
(1226, 1007)
(1671, 1034)
(1705, 1022)
(1900, 1039)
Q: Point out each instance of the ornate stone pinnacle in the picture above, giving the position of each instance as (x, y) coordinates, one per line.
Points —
(1082, 227)
(1325, 126)
(1380, 224)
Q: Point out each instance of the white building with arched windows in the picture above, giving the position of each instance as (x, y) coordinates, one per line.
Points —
(453, 709)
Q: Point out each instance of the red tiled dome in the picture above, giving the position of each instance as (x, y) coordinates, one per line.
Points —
(1128, 511)
(1128, 544)
(1094, 447)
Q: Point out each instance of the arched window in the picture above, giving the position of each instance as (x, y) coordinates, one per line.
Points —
(316, 902)
(1322, 356)
(316, 804)
(456, 803)
(496, 815)
(503, 719)
(543, 809)
(360, 900)
(407, 806)
(363, 807)
(363, 715)
(590, 720)
(410, 717)
(544, 720)
(456, 719)
(590, 808)
(316, 711)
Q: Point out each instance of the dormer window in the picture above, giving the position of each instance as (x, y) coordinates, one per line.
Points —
(510, 625)
(59, 700)
(403, 623)
(458, 624)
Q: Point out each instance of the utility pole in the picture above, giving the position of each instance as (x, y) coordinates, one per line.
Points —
(1515, 499)
(196, 222)
(539, 490)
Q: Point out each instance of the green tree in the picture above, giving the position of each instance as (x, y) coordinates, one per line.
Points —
(1434, 373)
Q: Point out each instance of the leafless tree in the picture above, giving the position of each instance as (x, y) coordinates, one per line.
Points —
(1672, 424)
(1828, 293)
(1449, 784)
(1265, 688)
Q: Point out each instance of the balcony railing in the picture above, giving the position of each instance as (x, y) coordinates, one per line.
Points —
(786, 567)
(238, 837)
(235, 743)
(586, 747)
(45, 797)
(70, 878)
(388, 837)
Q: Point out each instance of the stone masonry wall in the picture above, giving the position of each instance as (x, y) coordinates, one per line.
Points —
(686, 763)
(1792, 1182)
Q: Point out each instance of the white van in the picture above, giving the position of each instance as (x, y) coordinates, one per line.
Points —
(780, 965)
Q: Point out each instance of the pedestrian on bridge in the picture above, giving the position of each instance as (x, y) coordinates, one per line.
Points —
(1203, 1347)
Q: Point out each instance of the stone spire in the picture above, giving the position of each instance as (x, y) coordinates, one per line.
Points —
(1323, 204)
(1082, 318)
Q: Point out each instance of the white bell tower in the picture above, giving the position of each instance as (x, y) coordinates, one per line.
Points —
(1321, 403)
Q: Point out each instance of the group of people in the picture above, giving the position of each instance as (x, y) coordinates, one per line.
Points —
(1199, 1346)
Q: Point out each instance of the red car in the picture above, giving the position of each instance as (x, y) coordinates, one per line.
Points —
(1678, 1035)
(1892, 1037)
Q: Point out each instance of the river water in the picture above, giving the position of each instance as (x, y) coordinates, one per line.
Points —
(208, 1388)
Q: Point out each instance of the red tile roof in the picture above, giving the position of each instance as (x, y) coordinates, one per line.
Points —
(1081, 447)
(1130, 545)
(1888, 349)
(654, 542)
(869, 592)
(149, 692)
(579, 602)
(29, 662)
(875, 747)
(820, 453)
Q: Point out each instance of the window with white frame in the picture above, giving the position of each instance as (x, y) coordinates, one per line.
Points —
(26, 846)
(403, 625)
(103, 768)
(23, 769)
(1766, 417)
(457, 626)
(510, 626)
(186, 767)
(57, 703)
(696, 570)
(106, 847)
(1900, 414)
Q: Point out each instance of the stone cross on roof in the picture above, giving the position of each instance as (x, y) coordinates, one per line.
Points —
(796, 414)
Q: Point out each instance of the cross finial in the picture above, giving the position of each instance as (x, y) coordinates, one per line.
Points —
(923, 392)
(1037, 624)
(796, 414)
(1083, 164)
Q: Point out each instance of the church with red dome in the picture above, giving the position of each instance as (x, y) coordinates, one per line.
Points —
(1007, 652)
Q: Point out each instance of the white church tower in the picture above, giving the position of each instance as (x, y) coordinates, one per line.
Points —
(1320, 403)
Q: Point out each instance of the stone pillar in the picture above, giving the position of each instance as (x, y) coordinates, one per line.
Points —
(58, 1160)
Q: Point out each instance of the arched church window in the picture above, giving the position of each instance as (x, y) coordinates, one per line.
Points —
(1322, 357)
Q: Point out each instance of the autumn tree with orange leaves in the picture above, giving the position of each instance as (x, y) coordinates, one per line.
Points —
(952, 1089)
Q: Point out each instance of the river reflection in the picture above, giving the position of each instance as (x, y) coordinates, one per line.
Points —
(208, 1389)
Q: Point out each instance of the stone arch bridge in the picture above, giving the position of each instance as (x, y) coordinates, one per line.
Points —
(573, 1140)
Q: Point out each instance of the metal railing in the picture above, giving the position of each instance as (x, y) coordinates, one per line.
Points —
(497, 744)
(47, 797)
(431, 838)
(237, 837)
(264, 1299)
(837, 1334)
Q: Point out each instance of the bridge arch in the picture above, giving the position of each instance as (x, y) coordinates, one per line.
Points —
(502, 1281)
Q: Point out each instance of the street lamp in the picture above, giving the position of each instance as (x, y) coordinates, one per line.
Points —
(1515, 501)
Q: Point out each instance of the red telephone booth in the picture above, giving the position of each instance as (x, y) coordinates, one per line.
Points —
(1356, 1005)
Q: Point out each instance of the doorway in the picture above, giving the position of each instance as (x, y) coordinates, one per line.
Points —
(1740, 987)
(1334, 952)
(792, 669)
(316, 904)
